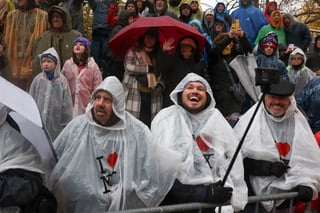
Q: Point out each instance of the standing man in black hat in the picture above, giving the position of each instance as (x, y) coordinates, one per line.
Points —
(280, 152)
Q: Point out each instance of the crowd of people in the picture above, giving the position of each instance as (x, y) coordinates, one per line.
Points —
(161, 124)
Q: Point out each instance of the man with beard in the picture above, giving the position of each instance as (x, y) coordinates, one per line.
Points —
(280, 153)
(197, 130)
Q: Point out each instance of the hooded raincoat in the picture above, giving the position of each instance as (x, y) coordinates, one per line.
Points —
(53, 98)
(224, 15)
(293, 131)
(195, 136)
(209, 41)
(297, 33)
(299, 76)
(267, 10)
(23, 26)
(274, 27)
(117, 167)
(251, 19)
(82, 83)
(16, 153)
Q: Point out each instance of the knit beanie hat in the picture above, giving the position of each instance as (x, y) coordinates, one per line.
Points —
(49, 55)
(84, 41)
(269, 40)
(188, 42)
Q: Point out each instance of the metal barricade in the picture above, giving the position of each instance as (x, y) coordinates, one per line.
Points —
(201, 206)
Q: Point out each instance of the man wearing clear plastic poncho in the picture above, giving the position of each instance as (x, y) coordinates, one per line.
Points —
(197, 130)
(107, 160)
(280, 152)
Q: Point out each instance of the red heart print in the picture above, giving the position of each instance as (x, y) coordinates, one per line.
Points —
(201, 144)
(112, 159)
(284, 148)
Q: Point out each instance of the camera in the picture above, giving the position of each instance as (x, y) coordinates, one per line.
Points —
(267, 76)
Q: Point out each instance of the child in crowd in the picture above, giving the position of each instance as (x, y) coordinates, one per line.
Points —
(299, 74)
(51, 92)
(268, 55)
(83, 75)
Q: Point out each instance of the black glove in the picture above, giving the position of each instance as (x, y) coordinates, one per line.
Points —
(218, 194)
(304, 193)
(278, 169)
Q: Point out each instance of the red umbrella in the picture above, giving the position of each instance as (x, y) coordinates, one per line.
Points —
(168, 28)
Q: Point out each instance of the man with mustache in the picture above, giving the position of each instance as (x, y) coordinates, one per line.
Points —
(107, 160)
(193, 127)
(279, 151)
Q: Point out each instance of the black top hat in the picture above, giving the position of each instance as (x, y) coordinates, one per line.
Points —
(283, 88)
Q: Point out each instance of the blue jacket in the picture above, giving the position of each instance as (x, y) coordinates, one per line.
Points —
(100, 13)
(251, 20)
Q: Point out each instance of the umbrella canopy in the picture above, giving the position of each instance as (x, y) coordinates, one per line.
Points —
(167, 26)
(26, 114)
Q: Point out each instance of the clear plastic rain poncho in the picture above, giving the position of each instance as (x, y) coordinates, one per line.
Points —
(81, 83)
(53, 98)
(202, 139)
(297, 146)
(16, 152)
(110, 168)
(301, 76)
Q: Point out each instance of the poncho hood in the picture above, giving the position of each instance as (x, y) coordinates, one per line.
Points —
(300, 52)
(195, 135)
(190, 78)
(113, 86)
(53, 52)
